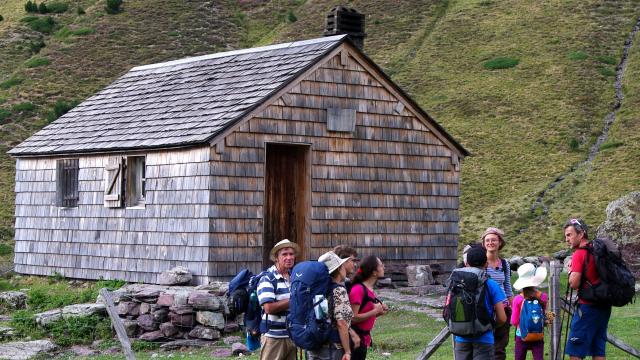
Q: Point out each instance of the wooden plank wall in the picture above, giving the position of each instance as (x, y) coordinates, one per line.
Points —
(90, 241)
(389, 188)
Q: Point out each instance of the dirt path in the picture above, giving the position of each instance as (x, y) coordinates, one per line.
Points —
(416, 299)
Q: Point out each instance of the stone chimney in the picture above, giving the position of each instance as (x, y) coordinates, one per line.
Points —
(343, 20)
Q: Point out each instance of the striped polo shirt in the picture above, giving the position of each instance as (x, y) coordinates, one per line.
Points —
(497, 274)
(274, 287)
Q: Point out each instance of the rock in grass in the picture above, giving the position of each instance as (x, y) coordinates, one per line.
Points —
(205, 333)
(48, 317)
(212, 319)
(83, 310)
(13, 300)
(24, 350)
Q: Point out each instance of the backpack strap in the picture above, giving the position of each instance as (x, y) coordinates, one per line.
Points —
(583, 276)
(504, 268)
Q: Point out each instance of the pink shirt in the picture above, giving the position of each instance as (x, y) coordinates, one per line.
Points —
(517, 306)
(355, 297)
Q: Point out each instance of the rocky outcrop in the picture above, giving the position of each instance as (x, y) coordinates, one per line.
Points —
(623, 226)
(12, 300)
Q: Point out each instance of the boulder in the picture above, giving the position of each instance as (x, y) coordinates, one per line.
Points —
(12, 300)
(216, 287)
(7, 332)
(160, 315)
(83, 351)
(48, 317)
(116, 296)
(131, 327)
(205, 301)
(146, 322)
(180, 298)
(145, 308)
(231, 339)
(126, 308)
(83, 310)
(177, 276)
(533, 260)
(221, 352)
(419, 275)
(562, 254)
(183, 320)
(177, 344)
(239, 348)
(231, 327)
(211, 319)
(206, 333)
(182, 309)
(165, 299)
(623, 220)
(23, 350)
(148, 294)
(153, 336)
(515, 262)
(168, 329)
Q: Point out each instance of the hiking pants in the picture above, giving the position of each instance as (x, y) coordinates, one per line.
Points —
(536, 347)
(501, 337)
(277, 348)
(473, 351)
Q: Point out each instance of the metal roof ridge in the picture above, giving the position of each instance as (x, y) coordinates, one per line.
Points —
(240, 52)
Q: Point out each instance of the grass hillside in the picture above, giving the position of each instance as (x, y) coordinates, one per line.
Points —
(523, 85)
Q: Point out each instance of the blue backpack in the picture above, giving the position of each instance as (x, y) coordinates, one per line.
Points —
(237, 295)
(532, 320)
(311, 285)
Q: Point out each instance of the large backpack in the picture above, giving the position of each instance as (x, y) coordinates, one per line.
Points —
(532, 319)
(310, 286)
(253, 313)
(465, 310)
(237, 295)
(617, 283)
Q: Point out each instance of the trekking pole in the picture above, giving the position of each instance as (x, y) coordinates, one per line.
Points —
(569, 295)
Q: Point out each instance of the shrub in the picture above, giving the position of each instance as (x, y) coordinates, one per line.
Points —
(5, 249)
(4, 114)
(502, 62)
(25, 106)
(10, 83)
(58, 7)
(607, 59)
(606, 71)
(80, 10)
(291, 17)
(31, 7)
(60, 108)
(113, 6)
(65, 32)
(611, 145)
(3, 100)
(36, 45)
(44, 25)
(37, 61)
(574, 144)
(111, 285)
(577, 55)
(80, 330)
(43, 9)
(24, 322)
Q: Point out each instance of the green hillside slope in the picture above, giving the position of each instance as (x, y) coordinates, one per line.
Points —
(525, 125)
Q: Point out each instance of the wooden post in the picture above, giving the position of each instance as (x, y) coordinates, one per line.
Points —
(434, 344)
(554, 296)
(117, 325)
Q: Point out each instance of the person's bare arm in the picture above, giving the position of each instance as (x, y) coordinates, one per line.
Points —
(501, 316)
(273, 308)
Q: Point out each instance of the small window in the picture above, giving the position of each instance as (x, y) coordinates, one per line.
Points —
(135, 181)
(67, 183)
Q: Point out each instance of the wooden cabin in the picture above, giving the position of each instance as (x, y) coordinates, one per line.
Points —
(206, 162)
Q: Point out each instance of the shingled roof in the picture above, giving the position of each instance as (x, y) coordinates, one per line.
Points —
(176, 103)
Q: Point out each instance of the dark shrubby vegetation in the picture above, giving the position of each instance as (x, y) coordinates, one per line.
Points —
(60, 108)
(503, 62)
(113, 6)
(44, 25)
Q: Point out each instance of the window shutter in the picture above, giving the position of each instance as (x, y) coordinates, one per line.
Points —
(59, 183)
(67, 193)
(113, 196)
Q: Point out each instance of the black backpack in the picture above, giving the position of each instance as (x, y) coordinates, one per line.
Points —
(237, 295)
(617, 283)
(465, 310)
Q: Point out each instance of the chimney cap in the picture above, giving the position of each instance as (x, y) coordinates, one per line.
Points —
(344, 20)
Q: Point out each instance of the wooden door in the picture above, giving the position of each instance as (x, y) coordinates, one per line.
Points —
(287, 197)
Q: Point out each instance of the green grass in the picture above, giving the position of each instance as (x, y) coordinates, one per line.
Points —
(607, 59)
(4, 114)
(577, 55)
(606, 71)
(24, 106)
(37, 61)
(502, 62)
(44, 25)
(66, 32)
(611, 145)
(14, 81)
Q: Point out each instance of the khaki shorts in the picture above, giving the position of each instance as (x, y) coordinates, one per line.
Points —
(277, 348)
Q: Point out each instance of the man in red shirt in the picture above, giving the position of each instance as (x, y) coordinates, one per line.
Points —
(588, 335)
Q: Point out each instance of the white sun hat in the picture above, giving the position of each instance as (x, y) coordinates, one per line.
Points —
(332, 261)
(530, 275)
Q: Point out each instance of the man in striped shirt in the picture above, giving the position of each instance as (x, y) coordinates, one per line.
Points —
(273, 295)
